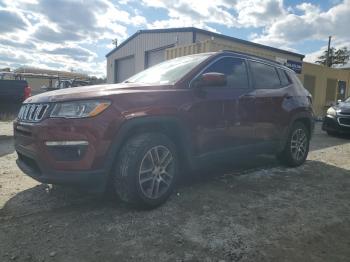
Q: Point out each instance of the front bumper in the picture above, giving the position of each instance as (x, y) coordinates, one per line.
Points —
(86, 166)
(93, 180)
(332, 124)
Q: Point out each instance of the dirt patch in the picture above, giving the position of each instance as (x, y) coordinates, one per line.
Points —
(250, 210)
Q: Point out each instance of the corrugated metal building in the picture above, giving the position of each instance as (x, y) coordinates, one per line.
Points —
(149, 47)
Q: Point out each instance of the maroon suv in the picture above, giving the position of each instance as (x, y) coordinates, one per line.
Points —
(187, 111)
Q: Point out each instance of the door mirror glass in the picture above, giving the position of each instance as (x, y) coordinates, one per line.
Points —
(211, 79)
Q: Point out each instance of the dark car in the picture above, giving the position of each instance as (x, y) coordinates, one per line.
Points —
(136, 136)
(337, 120)
(12, 94)
(13, 91)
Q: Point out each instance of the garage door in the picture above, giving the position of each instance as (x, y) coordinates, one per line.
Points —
(155, 57)
(125, 67)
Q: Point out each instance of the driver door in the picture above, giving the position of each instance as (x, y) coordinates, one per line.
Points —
(224, 115)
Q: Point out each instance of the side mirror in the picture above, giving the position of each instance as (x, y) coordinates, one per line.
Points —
(339, 101)
(211, 79)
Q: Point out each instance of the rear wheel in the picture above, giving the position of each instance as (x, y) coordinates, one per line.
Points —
(146, 170)
(297, 146)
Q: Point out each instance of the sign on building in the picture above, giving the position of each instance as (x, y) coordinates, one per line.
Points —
(294, 65)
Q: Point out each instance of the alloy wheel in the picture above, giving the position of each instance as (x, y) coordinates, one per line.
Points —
(156, 172)
(298, 145)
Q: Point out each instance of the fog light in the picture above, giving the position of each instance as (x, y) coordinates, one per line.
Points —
(66, 143)
(67, 150)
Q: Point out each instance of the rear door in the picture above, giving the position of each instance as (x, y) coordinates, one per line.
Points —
(271, 94)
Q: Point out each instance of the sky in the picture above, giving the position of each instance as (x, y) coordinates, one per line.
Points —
(76, 35)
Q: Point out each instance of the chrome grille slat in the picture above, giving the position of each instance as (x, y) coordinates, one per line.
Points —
(32, 112)
(20, 114)
(38, 110)
(26, 112)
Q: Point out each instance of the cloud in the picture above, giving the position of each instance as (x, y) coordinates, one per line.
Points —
(77, 53)
(64, 34)
(11, 21)
(259, 13)
(16, 44)
(53, 33)
(45, 33)
(193, 13)
(230, 13)
(312, 24)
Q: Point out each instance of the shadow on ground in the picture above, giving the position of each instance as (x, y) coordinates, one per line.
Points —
(6, 145)
(321, 140)
(48, 197)
(275, 214)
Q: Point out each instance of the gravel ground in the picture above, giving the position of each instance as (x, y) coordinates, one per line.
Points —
(250, 210)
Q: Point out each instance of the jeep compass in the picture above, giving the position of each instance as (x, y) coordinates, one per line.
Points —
(135, 137)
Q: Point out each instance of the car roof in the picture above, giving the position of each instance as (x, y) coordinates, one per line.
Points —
(248, 56)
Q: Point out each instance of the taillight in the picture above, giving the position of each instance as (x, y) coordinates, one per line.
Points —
(27, 92)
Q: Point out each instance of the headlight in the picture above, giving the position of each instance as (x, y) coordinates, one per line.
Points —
(331, 112)
(79, 109)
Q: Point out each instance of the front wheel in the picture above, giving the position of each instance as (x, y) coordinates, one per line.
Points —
(297, 146)
(146, 170)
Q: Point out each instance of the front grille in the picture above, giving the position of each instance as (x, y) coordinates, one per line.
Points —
(344, 121)
(344, 113)
(32, 112)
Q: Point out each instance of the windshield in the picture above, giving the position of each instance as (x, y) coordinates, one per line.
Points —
(347, 100)
(168, 72)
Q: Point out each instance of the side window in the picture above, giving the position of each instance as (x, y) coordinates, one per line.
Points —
(235, 70)
(283, 77)
(265, 76)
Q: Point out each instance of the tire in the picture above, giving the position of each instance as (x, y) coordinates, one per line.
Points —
(146, 170)
(297, 146)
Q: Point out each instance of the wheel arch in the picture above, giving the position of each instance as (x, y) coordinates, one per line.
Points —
(306, 120)
(304, 117)
(172, 127)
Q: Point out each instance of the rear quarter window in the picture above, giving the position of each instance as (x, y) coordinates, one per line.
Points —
(265, 76)
(283, 77)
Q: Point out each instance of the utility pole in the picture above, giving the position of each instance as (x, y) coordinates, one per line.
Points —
(329, 49)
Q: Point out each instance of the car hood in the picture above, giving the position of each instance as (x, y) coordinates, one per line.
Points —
(97, 91)
(343, 107)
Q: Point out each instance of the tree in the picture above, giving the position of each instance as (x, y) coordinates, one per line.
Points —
(115, 42)
(341, 56)
(336, 57)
